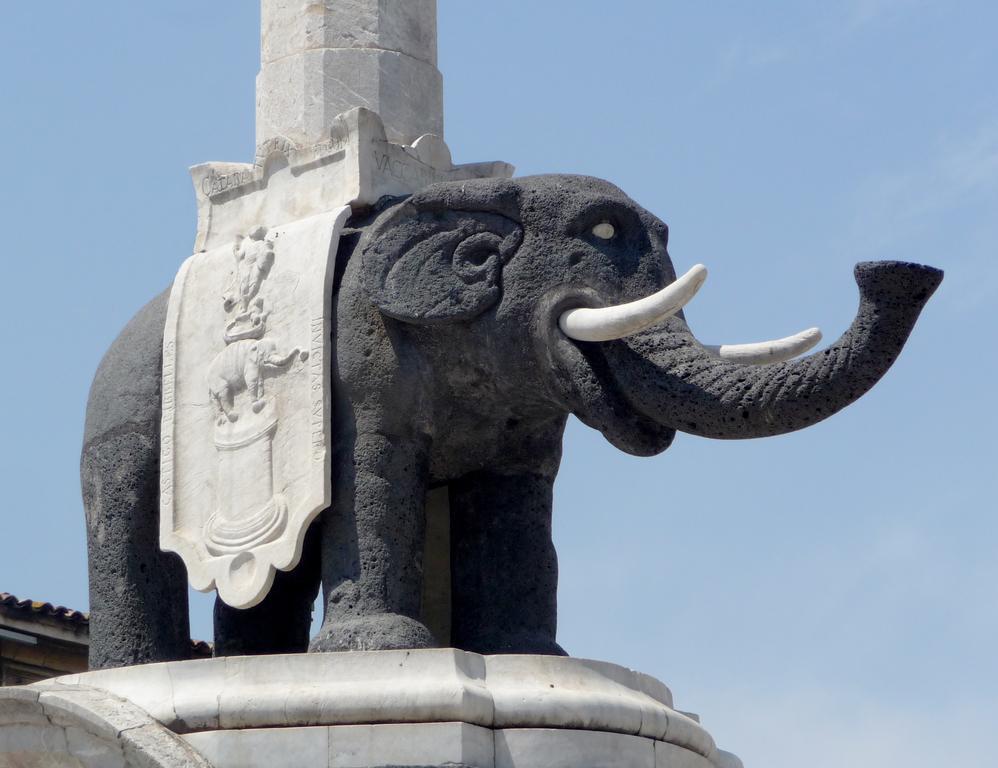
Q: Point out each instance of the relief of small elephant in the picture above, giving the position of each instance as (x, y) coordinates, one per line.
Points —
(241, 366)
(471, 319)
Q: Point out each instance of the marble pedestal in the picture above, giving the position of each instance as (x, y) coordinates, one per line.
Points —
(355, 710)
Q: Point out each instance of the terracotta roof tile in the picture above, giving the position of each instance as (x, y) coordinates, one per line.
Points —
(60, 612)
(198, 647)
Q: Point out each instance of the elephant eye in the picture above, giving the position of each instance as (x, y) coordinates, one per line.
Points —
(604, 230)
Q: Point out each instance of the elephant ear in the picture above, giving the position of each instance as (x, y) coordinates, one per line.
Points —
(438, 257)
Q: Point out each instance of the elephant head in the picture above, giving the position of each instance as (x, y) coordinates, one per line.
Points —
(579, 303)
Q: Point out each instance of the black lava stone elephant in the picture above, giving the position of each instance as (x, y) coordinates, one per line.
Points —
(470, 320)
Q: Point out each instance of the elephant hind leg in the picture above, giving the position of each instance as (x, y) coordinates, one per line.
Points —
(282, 621)
(138, 594)
(221, 393)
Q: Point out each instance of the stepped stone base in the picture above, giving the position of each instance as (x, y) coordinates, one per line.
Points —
(355, 710)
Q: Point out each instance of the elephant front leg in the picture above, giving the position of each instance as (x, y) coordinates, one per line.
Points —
(372, 549)
(504, 569)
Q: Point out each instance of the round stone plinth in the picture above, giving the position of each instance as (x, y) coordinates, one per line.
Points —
(399, 708)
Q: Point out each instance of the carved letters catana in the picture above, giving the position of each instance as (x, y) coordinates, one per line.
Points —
(246, 405)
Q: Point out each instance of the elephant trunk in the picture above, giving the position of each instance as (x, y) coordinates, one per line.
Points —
(666, 374)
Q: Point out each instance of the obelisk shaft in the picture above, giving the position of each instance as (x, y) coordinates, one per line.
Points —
(320, 58)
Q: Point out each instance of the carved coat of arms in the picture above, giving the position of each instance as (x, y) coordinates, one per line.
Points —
(244, 446)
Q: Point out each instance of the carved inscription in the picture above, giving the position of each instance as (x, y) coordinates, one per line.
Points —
(298, 155)
(277, 144)
(329, 147)
(217, 183)
(411, 172)
(317, 389)
(169, 408)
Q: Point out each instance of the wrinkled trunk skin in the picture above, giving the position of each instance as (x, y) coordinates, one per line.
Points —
(669, 377)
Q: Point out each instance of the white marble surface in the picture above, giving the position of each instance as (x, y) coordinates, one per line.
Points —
(270, 747)
(409, 27)
(351, 710)
(349, 746)
(555, 748)
(319, 59)
(49, 725)
(298, 96)
(670, 756)
(246, 405)
(438, 744)
(497, 693)
(352, 163)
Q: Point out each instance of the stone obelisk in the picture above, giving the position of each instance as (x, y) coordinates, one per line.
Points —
(321, 59)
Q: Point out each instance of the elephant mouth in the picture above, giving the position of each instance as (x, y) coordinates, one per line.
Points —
(583, 381)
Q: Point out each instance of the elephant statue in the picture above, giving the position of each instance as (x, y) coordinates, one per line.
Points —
(241, 366)
(470, 320)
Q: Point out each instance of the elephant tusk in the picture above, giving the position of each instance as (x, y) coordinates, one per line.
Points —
(621, 320)
(763, 352)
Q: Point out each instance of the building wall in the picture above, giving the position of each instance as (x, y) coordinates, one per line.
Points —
(39, 641)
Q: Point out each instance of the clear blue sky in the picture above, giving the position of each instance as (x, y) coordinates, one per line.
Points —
(827, 598)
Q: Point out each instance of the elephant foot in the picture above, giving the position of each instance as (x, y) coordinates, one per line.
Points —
(379, 632)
